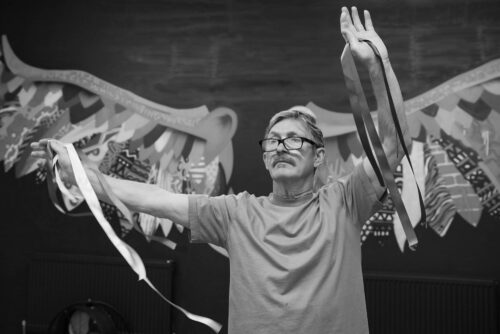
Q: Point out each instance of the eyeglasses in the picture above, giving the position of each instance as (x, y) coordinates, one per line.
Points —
(290, 143)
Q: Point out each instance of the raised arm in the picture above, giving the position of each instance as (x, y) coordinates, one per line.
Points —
(138, 197)
(354, 32)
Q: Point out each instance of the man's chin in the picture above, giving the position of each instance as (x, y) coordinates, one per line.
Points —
(282, 173)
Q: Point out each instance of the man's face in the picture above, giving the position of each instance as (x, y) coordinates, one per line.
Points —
(284, 165)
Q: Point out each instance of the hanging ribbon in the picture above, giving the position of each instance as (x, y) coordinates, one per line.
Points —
(54, 182)
(128, 253)
(366, 128)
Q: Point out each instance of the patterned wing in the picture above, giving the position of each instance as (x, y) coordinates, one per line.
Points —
(455, 153)
(126, 136)
(460, 121)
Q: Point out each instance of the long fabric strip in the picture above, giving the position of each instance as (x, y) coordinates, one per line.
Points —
(399, 131)
(54, 182)
(128, 253)
(366, 128)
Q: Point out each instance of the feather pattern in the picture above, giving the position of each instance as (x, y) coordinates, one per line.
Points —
(126, 136)
(459, 124)
(453, 165)
(438, 203)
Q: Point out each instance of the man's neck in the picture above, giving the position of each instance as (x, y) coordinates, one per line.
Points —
(292, 189)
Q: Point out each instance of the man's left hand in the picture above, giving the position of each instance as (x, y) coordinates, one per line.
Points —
(354, 32)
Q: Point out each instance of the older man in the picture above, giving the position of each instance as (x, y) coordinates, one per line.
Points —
(295, 255)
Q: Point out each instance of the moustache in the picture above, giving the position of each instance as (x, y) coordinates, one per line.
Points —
(283, 159)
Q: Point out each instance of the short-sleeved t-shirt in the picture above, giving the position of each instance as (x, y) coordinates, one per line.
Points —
(295, 265)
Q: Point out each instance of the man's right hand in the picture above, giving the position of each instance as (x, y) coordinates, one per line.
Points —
(46, 149)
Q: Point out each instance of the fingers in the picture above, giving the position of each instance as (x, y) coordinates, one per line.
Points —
(38, 148)
(39, 155)
(44, 148)
(352, 19)
(39, 145)
(346, 26)
(368, 21)
(351, 26)
(355, 18)
(345, 17)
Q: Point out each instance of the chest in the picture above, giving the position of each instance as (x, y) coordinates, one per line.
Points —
(290, 231)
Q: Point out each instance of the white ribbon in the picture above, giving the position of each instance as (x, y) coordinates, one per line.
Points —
(128, 253)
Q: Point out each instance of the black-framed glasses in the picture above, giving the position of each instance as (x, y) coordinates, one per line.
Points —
(290, 143)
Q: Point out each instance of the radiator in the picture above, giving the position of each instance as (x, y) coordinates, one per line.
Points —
(57, 281)
(422, 305)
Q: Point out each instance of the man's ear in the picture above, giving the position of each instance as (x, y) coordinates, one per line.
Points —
(319, 157)
(264, 157)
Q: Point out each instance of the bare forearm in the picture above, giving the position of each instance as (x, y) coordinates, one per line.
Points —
(387, 129)
(142, 197)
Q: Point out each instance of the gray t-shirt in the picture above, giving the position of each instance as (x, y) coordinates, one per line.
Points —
(295, 266)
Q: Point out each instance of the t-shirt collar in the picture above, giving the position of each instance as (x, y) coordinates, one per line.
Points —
(290, 200)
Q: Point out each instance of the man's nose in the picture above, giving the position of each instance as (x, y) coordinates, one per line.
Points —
(281, 147)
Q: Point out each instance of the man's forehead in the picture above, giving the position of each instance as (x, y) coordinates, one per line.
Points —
(289, 126)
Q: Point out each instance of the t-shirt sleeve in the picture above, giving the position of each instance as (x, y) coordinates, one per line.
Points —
(209, 218)
(359, 195)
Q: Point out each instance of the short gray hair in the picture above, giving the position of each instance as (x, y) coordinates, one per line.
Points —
(303, 114)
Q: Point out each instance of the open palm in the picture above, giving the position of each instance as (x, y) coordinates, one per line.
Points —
(355, 33)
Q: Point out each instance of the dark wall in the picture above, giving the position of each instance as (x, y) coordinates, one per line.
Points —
(255, 57)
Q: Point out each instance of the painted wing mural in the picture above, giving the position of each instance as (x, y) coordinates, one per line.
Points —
(455, 154)
(126, 136)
